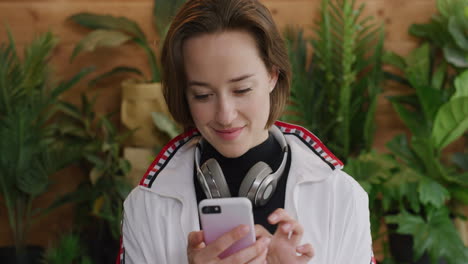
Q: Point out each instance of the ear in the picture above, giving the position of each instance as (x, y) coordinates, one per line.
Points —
(274, 73)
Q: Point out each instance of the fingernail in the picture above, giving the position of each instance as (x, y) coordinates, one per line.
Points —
(286, 227)
(300, 248)
(273, 217)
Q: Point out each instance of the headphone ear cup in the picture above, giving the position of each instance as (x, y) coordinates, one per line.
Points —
(212, 167)
(257, 173)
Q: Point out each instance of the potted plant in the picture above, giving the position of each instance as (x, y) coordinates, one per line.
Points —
(140, 97)
(99, 198)
(335, 93)
(418, 190)
(30, 152)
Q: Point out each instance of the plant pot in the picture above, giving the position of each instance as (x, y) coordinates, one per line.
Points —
(141, 159)
(101, 247)
(401, 248)
(138, 101)
(31, 255)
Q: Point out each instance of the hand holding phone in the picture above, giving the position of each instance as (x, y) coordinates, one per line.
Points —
(219, 216)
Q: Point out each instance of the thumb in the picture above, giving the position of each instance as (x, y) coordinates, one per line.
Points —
(195, 238)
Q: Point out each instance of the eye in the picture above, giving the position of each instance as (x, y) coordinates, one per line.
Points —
(201, 97)
(243, 91)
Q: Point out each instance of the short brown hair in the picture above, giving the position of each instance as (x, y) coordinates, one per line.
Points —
(197, 17)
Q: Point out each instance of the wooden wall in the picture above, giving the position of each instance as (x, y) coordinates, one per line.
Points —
(28, 18)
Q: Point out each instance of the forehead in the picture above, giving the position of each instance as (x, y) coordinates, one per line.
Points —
(222, 55)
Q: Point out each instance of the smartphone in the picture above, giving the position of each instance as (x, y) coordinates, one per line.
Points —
(221, 215)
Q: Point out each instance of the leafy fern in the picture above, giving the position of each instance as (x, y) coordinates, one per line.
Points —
(336, 95)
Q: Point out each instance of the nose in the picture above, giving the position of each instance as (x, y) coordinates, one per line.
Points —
(226, 111)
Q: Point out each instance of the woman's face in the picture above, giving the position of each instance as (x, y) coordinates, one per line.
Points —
(228, 90)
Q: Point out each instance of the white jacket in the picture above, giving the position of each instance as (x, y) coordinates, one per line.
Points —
(329, 204)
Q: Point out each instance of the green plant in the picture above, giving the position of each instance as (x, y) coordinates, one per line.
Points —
(415, 187)
(436, 113)
(101, 196)
(68, 249)
(336, 95)
(166, 125)
(30, 151)
(114, 31)
(448, 30)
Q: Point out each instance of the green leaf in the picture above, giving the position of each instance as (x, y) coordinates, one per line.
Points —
(413, 120)
(66, 85)
(400, 147)
(95, 174)
(410, 100)
(370, 167)
(125, 166)
(460, 179)
(444, 7)
(418, 67)
(163, 12)
(461, 85)
(458, 33)
(96, 21)
(439, 76)
(431, 192)
(451, 122)
(437, 235)
(455, 56)
(165, 124)
(98, 162)
(394, 59)
(100, 38)
(460, 194)
(123, 187)
(114, 71)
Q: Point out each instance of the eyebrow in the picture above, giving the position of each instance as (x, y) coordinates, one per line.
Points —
(237, 79)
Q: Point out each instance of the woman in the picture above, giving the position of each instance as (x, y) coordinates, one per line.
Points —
(226, 79)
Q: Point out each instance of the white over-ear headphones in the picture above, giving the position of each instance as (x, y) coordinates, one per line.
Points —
(259, 183)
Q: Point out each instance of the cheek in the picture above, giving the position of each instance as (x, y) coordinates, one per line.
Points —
(199, 112)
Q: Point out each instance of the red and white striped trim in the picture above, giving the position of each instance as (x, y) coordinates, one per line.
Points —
(313, 141)
(178, 141)
(121, 256)
(164, 155)
(373, 261)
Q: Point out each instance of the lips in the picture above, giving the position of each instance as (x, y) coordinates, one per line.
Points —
(229, 134)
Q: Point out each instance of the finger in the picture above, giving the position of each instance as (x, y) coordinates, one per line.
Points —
(279, 215)
(249, 254)
(261, 231)
(293, 230)
(226, 240)
(195, 238)
(306, 251)
(260, 259)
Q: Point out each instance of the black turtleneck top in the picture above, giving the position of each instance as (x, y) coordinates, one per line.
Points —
(235, 169)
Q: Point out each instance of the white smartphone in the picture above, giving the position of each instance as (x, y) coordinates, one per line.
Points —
(221, 215)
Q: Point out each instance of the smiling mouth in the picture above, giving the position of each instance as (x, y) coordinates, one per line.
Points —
(229, 134)
(227, 131)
